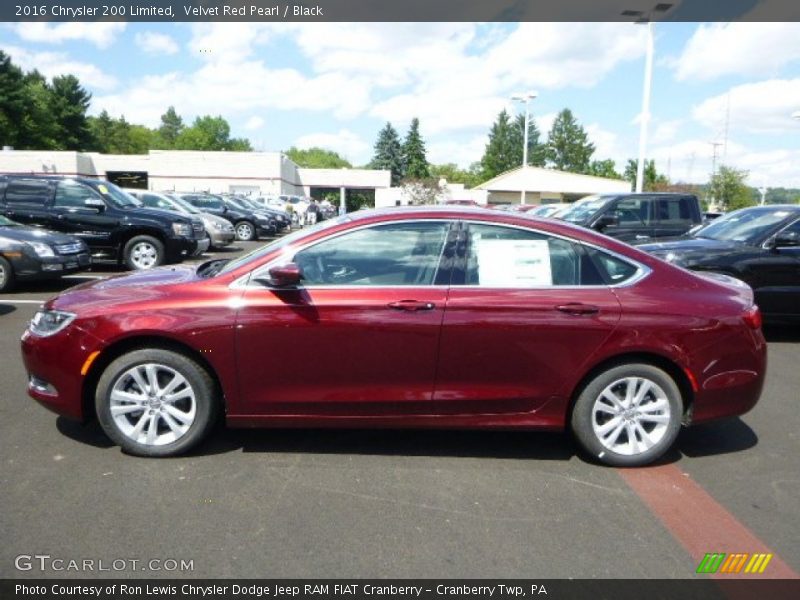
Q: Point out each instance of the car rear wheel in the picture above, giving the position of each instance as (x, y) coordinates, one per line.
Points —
(155, 402)
(143, 252)
(628, 415)
(6, 275)
(245, 231)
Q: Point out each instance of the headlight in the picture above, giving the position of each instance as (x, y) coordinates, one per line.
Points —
(49, 322)
(182, 229)
(262, 219)
(218, 226)
(41, 249)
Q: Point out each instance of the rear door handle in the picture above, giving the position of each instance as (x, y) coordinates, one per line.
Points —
(576, 308)
(411, 305)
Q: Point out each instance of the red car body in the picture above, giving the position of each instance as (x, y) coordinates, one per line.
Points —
(478, 357)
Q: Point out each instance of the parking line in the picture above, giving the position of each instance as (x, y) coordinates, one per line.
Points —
(696, 520)
(15, 301)
(85, 277)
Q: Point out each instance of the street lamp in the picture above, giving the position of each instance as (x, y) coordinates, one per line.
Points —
(646, 17)
(526, 98)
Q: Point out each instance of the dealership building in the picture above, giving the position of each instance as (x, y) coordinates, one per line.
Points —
(274, 173)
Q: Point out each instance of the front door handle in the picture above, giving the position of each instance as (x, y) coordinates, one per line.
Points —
(576, 308)
(639, 236)
(411, 305)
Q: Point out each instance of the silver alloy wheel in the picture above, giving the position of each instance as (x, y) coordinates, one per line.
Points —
(244, 231)
(144, 255)
(3, 276)
(631, 415)
(153, 404)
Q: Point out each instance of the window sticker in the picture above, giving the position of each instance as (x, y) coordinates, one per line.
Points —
(513, 263)
(103, 189)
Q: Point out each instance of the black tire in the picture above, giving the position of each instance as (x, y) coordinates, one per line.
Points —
(143, 252)
(6, 275)
(206, 404)
(584, 417)
(245, 231)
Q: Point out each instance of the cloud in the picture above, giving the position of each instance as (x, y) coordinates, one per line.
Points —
(53, 64)
(101, 34)
(719, 49)
(763, 107)
(462, 153)
(156, 43)
(254, 123)
(348, 144)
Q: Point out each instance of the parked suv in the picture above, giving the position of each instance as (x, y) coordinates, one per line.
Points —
(112, 223)
(637, 217)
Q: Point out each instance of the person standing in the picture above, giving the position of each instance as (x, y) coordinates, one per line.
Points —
(312, 212)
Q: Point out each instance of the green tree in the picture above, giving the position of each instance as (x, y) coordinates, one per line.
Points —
(537, 152)
(415, 162)
(568, 145)
(653, 180)
(210, 133)
(37, 129)
(450, 171)
(12, 101)
(388, 153)
(604, 168)
(171, 127)
(69, 103)
(101, 129)
(504, 149)
(317, 158)
(729, 190)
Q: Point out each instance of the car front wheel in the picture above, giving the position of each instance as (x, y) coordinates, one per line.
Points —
(628, 415)
(245, 232)
(6, 275)
(143, 252)
(155, 402)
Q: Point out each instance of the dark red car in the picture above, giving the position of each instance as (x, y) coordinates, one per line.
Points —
(424, 317)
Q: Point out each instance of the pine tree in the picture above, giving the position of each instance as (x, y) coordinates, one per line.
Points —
(568, 146)
(537, 152)
(388, 153)
(69, 103)
(171, 127)
(12, 101)
(415, 163)
(652, 178)
(504, 150)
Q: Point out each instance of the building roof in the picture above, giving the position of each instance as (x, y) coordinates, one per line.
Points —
(536, 179)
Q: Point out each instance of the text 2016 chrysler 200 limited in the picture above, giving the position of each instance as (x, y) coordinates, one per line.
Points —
(449, 317)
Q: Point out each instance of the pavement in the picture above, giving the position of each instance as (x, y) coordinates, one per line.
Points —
(381, 504)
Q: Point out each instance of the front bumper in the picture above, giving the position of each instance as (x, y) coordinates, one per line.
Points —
(220, 239)
(28, 267)
(181, 247)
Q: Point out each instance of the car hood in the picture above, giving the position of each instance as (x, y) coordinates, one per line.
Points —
(161, 214)
(689, 246)
(209, 218)
(32, 234)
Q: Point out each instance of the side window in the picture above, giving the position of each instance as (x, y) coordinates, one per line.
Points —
(613, 270)
(33, 192)
(507, 257)
(71, 194)
(673, 209)
(391, 254)
(631, 212)
(155, 201)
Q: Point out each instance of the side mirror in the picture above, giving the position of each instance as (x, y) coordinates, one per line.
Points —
(786, 239)
(95, 203)
(606, 221)
(287, 275)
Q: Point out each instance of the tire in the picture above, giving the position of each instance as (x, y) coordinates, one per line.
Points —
(127, 411)
(6, 275)
(143, 252)
(245, 231)
(654, 421)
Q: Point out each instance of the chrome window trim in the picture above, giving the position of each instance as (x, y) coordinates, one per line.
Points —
(765, 245)
(642, 271)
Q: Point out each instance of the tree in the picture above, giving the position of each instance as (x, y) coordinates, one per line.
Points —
(415, 162)
(568, 146)
(171, 127)
(69, 103)
(12, 101)
(653, 180)
(422, 191)
(504, 149)
(450, 172)
(317, 158)
(37, 129)
(388, 153)
(210, 133)
(604, 168)
(537, 152)
(728, 188)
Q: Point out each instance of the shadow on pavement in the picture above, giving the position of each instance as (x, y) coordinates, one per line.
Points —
(782, 333)
(6, 309)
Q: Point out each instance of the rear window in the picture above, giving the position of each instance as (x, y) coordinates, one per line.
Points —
(613, 270)
(32, 192)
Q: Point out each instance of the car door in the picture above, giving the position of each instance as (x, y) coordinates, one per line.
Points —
(778, 274)
(673, 216)
(79, 210)
(27, 200)
(359, 337)
(530, 310)
(632, 218)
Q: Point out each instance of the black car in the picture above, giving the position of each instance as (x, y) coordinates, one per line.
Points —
(636, 217)
(112, 223)
(281, 219)
(247, 224)
(759, 245)
(27, 253)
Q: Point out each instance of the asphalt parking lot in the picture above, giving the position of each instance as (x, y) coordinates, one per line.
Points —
(310, 503)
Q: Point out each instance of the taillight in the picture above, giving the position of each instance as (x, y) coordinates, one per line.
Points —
(752, 316)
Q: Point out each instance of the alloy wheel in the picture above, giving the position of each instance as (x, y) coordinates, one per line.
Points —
(144, 255)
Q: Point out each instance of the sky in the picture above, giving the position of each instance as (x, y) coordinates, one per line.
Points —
(335, 85)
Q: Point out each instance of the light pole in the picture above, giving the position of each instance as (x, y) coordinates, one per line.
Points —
(526, 98)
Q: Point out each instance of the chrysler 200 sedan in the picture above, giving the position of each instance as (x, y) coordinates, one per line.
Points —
(426, 317)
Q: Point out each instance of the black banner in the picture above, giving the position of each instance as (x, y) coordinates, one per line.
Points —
(422, 589)
(399, 10)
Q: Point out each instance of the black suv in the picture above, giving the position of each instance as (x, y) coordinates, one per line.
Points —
(247, 224)
(112, 223)
(637, 217)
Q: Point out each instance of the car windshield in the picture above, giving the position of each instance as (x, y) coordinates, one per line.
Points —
(236, 203)
(4, 222)
(747, 225)
(189, 208)
(584, 208)
(279, 243)
(116, 195)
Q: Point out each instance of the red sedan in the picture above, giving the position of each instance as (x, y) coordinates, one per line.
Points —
(423, 317)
